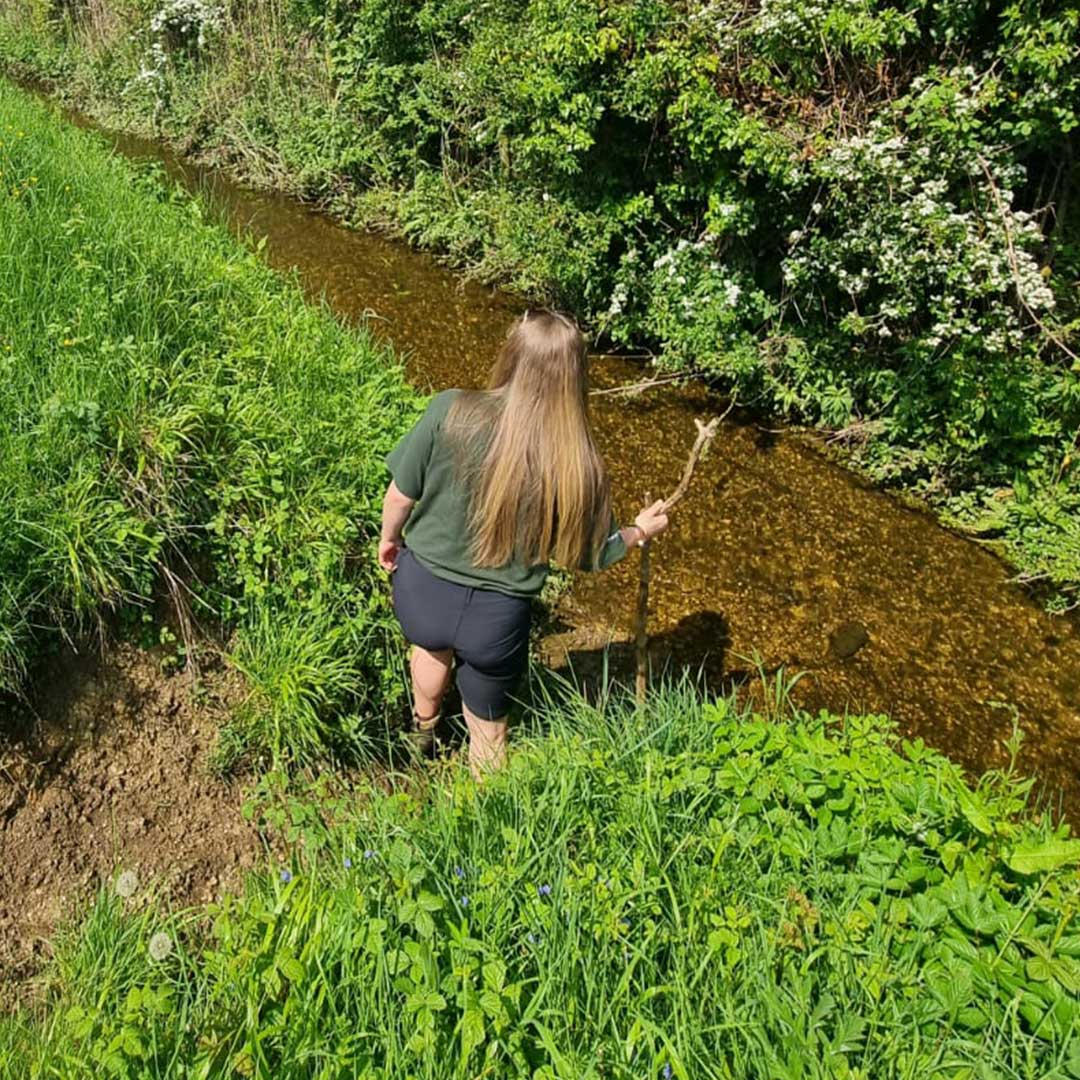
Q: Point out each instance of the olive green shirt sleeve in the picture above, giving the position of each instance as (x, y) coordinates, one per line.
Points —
(611, 551)
(409, 461)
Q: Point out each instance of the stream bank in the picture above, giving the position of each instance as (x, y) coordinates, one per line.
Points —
(780, 559)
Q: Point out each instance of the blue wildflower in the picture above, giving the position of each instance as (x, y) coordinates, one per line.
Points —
(369, 854)
(286, 876)
(666, 1074)
(544, 890)
(347, 862)
(458, 872)
(464, 901)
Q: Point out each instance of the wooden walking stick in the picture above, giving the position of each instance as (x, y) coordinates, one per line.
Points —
(705, 433)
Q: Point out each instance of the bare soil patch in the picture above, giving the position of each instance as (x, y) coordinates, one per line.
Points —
(108, 767)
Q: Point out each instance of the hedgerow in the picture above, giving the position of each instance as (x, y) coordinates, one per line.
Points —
(859, 213)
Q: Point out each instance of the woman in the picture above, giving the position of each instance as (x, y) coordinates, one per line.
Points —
(488, 488)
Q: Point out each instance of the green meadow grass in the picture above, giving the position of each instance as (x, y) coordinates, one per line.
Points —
(684, 890)
(173, 413)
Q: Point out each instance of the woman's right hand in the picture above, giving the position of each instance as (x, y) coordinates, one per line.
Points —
(389, 552)
(652, 520)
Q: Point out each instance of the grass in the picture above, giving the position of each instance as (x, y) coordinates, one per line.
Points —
(684, 887)
(172, 411)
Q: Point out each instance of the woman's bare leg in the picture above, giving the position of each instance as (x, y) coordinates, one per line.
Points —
(430, 679)
(487, 743)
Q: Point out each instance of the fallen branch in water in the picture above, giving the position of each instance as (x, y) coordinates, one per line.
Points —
(705, 435)
(639, 387)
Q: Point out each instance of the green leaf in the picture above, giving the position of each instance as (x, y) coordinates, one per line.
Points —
(424, 923)
(928, 912)
(472, 1032)
(133, 1046)
(1041, 858)
(292, 969)
(1038, 969)
(429, 902)
(492, 1004)
(973, 810)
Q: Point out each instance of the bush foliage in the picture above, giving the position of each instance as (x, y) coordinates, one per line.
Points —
(173, 413)
(683, 890)
(860, 213)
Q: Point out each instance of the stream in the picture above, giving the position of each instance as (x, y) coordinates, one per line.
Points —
(779, 559)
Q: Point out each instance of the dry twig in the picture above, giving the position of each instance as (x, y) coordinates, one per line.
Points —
(638, 387)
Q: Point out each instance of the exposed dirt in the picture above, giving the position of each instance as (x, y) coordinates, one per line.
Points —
(108, 768)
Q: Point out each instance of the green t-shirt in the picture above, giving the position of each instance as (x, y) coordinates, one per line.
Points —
(424, 468)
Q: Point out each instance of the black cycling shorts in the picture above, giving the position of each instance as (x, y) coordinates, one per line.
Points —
(487, 630)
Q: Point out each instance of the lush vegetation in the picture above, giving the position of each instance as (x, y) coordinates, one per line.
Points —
(861, 213)
(174, 418)
(681, 891)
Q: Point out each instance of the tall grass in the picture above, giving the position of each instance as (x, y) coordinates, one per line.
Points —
(168, 404)
(682, 890)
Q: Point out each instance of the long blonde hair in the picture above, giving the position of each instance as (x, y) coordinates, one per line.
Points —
(539, 491)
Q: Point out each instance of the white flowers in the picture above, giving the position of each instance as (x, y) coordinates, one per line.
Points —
(192, 20)
(619, 296)
(190, 23)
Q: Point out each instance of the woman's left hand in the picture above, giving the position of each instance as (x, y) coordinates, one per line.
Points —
(389, 550)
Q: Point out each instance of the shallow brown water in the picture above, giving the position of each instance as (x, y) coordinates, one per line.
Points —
(778, 557)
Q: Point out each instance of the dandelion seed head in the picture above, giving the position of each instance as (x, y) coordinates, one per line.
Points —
(160, 945)
(126, 884)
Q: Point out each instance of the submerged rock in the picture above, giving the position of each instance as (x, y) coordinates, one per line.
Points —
(846, 640)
